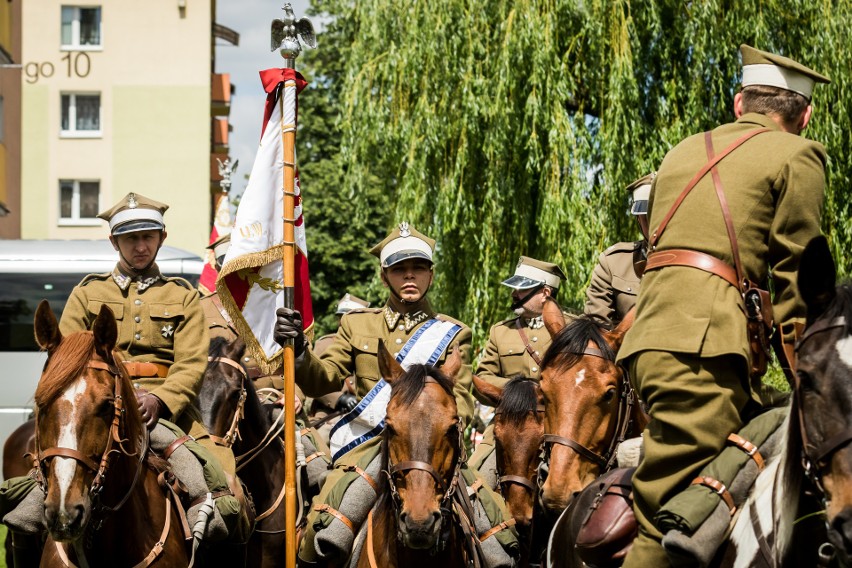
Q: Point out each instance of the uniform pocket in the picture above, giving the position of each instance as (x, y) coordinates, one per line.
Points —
(165, 319)
(94, 307)
(622, 286)
(365, 351)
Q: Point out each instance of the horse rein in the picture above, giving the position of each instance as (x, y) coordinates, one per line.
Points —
(44, 456)
(233, 432)
(626, 401)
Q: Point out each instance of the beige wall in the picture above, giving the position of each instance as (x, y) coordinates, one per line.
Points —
(152, 71)
(10, 146)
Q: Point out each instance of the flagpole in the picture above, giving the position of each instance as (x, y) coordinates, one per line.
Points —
(284, 35)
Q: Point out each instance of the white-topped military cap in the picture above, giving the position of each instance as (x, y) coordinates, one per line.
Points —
(349, 302)
(402, 243)
(769, 69)
(135, 212)
(531, 273)
(641, 190)
(220, 248)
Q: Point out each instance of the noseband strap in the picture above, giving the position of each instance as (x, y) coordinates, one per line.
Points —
(517, 479)
(422, 466)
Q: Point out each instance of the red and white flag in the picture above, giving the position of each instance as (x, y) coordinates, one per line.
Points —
(221, 227)
(250, 284)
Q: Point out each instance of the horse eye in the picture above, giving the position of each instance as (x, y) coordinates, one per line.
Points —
(609, 395)
(106, 408)
(806, 382)
(389, 429)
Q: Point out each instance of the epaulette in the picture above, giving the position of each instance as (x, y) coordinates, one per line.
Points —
(363, 311)
(445, 317)
(507, 321)
(328, 335)
(181, 281)
(622, 247)
(92, 277)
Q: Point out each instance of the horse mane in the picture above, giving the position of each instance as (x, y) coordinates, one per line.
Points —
(64, 366)
(519, 398)
(567, 347)
(409, 386)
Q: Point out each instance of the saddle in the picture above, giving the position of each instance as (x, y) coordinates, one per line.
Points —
(609, 527)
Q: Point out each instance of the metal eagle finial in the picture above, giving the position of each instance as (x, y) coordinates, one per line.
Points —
(226, 170)
(287, 32)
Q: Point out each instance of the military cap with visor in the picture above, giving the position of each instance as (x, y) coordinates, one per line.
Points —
(532, 273)
(349, 302)
(403, 243)
(769, 69)
(220, 248)
(641, 190)
(133, 213)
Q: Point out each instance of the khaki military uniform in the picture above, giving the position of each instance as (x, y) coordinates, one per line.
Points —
(687, 348)
(506, 356)
(355, 352)
(159, 321)
(615, 284)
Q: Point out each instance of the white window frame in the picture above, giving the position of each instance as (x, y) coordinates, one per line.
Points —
(75, 30)
(72, 131)
(75, 220)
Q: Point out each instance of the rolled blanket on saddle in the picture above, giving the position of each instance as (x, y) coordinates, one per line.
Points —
(317, 454)
(696, 521)
(22, 505)
(201, 474)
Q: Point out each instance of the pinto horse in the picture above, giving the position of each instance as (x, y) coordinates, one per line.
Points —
(590, 406)
(415, 521)
(104, 505)
(232, 412)
(518, 430)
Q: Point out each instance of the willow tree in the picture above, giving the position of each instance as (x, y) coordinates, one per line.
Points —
(511, 127)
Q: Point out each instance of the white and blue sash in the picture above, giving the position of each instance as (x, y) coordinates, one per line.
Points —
(367, 419)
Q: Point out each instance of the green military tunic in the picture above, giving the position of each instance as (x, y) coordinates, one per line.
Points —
(354, 352)
(615, 284)
(159, 321)
(688, 348)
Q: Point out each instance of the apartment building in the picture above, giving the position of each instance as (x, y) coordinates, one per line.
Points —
(115, 96)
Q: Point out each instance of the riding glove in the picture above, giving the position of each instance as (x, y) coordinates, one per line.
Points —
(346, 402)
(288, 325)
(150, 407)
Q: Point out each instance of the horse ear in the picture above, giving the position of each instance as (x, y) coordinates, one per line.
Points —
(453, 362)
(817, 275)
(616, 336)
(492, 393)
(554, 319)
(235, 349)
(106, 333)
(47, 333)
(389, 368)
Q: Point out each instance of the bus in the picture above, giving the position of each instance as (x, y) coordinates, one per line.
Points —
(33, 270)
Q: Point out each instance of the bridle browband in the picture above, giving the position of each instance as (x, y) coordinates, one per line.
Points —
(626, 401)
(115, 444)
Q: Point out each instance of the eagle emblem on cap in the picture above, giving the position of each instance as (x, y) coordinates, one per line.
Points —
(404, 231)
(131, 201)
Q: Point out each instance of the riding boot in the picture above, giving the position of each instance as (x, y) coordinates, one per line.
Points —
(26, 549)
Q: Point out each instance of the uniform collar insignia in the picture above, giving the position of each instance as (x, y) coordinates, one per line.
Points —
(409, 320)
(535, 323)
(147, 282)
(120, 279)
(123, 280)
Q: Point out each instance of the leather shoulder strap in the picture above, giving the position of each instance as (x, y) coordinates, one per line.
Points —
(697, 177)
(520, 327)
(726, 214)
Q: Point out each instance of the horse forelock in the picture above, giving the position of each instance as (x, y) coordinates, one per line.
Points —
(408, 387)
(519, 398)
(567, 347)
(64, 366)
(217, 346)
(841, 305)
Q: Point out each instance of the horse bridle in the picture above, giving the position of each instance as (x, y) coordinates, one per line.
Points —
(626, 401)
(813, 462)
(233, 432)
(115, 444)
(526, 482)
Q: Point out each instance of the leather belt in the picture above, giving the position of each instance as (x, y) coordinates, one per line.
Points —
(139, 369)
(255, 373)
(695, 259)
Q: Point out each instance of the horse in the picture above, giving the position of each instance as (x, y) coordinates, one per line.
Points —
(590, 406)
(518, 431)
(104, 505)
(415, 521)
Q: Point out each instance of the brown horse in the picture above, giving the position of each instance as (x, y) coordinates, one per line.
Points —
(104, 505)
(235, 417)
(518, 430)
(414, 522)
(590, 406)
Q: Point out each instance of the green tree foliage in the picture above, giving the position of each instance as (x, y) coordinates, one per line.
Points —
(511, 127)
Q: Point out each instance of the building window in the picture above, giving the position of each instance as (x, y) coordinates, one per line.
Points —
(81, 27)
(79, 202)
(81, 115)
